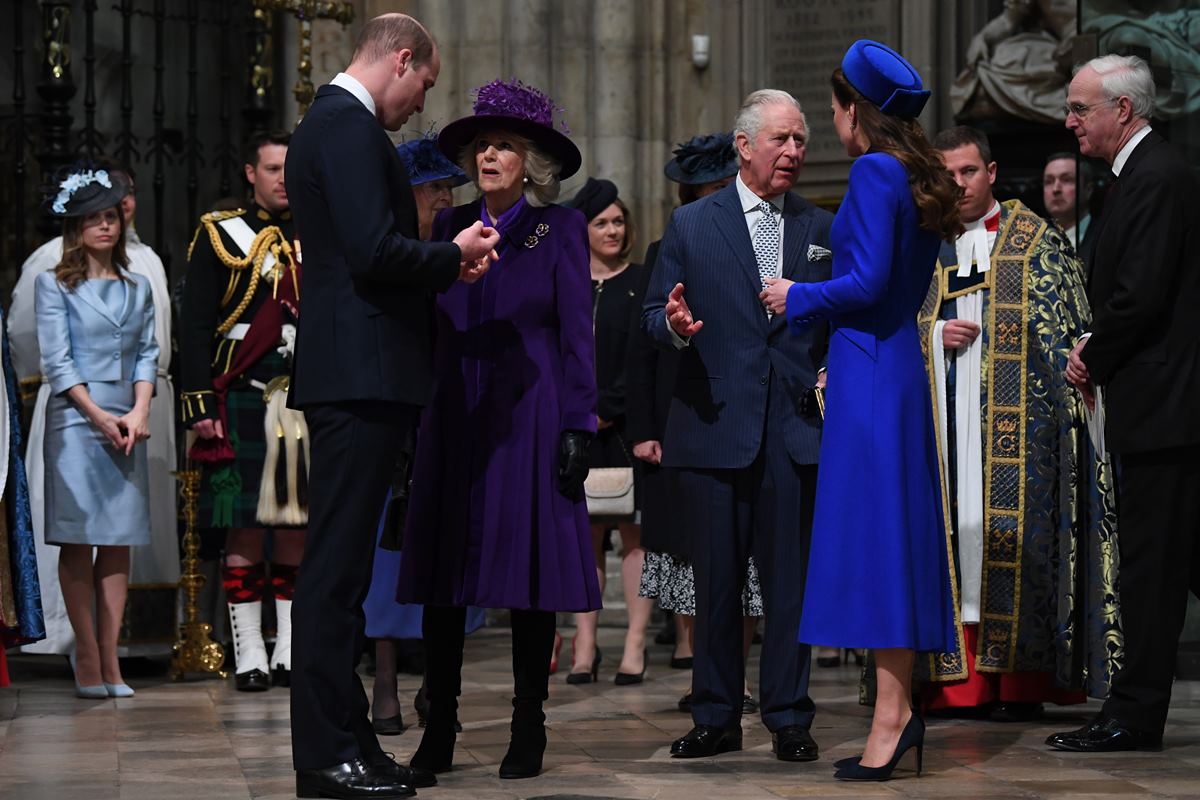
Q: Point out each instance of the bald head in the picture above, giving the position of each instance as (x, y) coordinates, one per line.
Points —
(390, 33)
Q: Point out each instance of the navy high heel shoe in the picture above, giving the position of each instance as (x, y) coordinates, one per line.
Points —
(913, 736)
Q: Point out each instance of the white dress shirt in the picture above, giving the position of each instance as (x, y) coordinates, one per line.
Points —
(351, 85)
(754, 214)
(1123, 156)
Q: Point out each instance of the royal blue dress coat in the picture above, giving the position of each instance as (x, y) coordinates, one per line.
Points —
(514, 366)
(878, 570)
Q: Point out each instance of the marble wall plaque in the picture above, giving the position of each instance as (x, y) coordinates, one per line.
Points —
(805, 40)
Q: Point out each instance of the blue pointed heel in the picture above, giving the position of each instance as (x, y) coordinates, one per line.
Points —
(913, 736)
(97, 692)
(118, 690)
(91, 692)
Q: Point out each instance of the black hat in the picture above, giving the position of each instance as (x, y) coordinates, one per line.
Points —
(595, 196)
(703, 159)
(79, 190)
(511, 105)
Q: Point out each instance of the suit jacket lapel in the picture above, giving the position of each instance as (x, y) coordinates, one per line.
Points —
(127, 305)
(1112, 201)
(795, 237)
(85, 292)
(795, 249)
(731, 222)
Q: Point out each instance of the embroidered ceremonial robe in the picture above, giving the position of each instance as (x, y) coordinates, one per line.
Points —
(1047, 548)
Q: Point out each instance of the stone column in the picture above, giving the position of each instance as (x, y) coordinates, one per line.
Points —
(528, 46)
(572, 80)
(920, 45)
(449, 99)
(616, 86)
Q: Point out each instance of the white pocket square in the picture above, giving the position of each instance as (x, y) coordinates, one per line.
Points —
(818, 253)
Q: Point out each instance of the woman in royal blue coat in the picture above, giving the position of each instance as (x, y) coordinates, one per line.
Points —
(878, 443)
(497, 517)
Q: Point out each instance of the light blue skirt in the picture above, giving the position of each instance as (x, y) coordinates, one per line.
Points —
(95, 494)
(387, 619)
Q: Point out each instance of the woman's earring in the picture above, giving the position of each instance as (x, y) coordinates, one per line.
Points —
(525, 179)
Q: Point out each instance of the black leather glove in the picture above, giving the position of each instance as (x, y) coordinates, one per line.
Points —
(573, 463)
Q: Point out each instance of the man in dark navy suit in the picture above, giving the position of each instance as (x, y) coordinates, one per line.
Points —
(743, 429)
(1141, 363)
(362, 370)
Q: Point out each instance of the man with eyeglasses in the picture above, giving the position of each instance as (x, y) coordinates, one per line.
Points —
(1140, 364)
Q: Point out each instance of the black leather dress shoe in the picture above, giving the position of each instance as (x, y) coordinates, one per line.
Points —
(412, 776)
(281, 676)
(349, 780)
(1104, 735)
(705, 741)
(793, 743)
(253, 681)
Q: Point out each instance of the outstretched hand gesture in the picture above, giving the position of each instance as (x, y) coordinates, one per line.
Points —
(679, 315)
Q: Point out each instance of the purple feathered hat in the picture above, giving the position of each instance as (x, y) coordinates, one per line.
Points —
(524, 110)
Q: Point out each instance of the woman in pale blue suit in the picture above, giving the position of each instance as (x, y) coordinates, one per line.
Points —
(95, 326)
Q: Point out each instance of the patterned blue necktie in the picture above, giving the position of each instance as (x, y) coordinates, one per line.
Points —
(766, 243)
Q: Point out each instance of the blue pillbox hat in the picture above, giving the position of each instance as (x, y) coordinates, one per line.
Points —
(883, 76)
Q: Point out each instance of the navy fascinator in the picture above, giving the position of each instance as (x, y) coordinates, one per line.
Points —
(703, 159)
(425, 162)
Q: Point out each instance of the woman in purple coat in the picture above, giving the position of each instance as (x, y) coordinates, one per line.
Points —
(497, 517)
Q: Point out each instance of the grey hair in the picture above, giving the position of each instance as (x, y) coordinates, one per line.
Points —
(541, 171)
(749, 116)
(1126, 76)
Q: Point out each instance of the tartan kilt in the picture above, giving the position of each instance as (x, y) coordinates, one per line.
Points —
(229, 491)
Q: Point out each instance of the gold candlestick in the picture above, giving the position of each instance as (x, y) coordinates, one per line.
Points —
(194, 651)
(305, 12)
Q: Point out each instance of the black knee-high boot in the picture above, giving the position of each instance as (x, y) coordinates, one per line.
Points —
(533, 640)
(442, 630)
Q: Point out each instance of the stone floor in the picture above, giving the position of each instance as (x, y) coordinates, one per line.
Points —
(200, 740)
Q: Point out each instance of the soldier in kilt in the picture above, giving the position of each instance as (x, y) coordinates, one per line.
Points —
(240, 304)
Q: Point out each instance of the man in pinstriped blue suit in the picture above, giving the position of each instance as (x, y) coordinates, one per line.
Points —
(743, 429)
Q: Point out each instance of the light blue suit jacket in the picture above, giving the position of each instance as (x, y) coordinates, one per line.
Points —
(82, 341)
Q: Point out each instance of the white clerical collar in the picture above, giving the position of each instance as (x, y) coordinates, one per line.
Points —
(351, 85)
(973, 247)
(1123, 156)
(750, 200)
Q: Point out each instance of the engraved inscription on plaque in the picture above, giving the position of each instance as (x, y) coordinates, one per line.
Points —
(806, 40)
